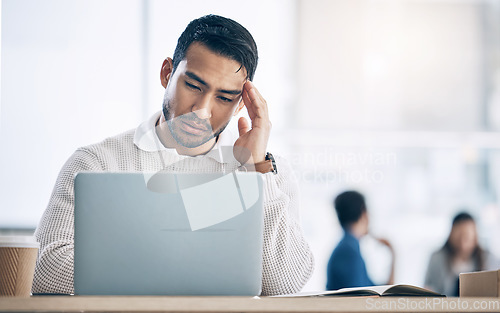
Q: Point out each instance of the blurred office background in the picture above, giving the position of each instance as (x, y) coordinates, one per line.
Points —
(399, 99)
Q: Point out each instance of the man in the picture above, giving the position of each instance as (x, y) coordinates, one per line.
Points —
(207, 82)
(346, 267)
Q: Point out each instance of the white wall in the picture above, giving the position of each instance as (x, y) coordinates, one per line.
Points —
(70, 71)
(390, 65)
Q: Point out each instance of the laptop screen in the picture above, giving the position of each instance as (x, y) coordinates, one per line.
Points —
(168, 234)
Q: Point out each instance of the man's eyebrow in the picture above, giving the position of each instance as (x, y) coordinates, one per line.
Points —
(231, 92)
(201, 81)
(196, 77)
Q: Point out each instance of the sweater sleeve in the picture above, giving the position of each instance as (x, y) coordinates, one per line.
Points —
(288, 262)
(55, 232)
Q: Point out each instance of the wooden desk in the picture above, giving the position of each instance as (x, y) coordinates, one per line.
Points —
(244, 304)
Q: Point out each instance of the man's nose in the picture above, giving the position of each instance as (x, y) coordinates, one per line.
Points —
(203, 108)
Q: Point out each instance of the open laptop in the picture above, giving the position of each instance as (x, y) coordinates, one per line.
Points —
(168, 234)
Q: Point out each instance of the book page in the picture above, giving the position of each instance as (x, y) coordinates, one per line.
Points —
(408, 290)
(353, 292)
(384, 290)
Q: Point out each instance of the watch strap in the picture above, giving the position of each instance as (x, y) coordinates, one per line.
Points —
(268, 165)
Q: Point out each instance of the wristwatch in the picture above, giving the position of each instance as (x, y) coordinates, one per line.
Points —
(268, 165)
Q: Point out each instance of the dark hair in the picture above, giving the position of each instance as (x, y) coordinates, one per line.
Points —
(223, 36)
(349, 205)
(462, 217)
(478, 253)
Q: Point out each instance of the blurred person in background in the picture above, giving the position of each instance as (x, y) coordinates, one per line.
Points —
(346, 267)
(461, 253)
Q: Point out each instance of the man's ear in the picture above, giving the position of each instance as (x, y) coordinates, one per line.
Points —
(166, 71)
(241, 104)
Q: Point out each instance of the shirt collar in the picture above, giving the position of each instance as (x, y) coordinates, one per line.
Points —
(350, 237)
(146, 139)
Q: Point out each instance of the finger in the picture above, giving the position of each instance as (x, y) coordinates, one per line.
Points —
(258, 111)
(258, 103)
(257, 92)
(385, 242)
(248, 103)
(243, 126)
(252, 92)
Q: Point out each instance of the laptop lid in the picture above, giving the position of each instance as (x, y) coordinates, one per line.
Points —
(168, 234)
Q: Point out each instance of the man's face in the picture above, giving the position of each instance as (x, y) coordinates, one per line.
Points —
(202, 95)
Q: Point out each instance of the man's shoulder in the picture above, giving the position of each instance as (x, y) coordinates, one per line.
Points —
(346, 246)
(120, 142)
(345, 249)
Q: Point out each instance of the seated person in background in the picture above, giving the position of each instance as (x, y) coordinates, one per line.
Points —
(207, 82)
(461, 253)
(346, 267)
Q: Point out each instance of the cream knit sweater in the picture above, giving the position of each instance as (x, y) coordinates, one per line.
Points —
(287, 259)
